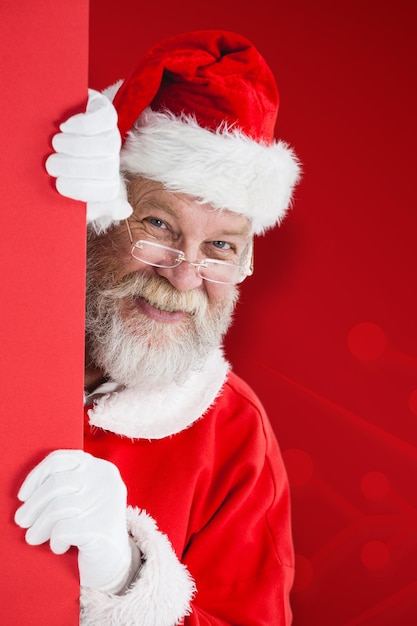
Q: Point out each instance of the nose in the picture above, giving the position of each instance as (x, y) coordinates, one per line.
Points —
(184, 277)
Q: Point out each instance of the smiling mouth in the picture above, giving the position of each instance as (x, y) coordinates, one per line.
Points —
(161, 314)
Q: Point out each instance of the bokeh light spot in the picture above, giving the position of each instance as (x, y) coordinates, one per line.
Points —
(375, 485)
(299, 466)
(375, 555)
(304, 573)
(367, 341)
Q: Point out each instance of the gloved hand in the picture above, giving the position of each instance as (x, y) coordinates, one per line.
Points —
(86, 162)
(75, 499)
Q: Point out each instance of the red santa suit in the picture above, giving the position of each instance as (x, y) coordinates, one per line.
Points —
(208, 504)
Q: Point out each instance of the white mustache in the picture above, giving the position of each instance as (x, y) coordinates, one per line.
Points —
(159, 293)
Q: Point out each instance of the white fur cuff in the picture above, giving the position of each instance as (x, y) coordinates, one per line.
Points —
(160, 597)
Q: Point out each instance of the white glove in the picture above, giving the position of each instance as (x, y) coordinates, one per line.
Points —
(75, 499)
(86, 162)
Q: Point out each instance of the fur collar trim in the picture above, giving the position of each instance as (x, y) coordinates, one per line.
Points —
(141, 414)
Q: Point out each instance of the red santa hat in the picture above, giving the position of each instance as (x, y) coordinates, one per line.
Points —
(198, 114)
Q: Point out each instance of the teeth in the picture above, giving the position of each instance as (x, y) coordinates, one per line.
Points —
(169, 309)
(163, 308)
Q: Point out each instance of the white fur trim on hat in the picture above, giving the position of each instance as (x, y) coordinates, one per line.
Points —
(160, 597)
(225, 169)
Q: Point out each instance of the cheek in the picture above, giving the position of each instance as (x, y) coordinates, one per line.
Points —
(219, 294)
(129, 265)
(124, 262)
(113, 254)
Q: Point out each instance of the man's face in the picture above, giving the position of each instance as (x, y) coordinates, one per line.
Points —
(150, 326)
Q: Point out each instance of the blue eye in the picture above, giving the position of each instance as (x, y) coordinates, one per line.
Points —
(154, 221)
(223, 245)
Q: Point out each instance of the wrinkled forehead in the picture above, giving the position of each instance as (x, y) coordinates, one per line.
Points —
(187, 211)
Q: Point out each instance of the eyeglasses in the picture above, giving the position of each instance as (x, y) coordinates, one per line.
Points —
(213, 270)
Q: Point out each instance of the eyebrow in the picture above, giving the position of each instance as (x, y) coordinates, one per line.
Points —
(241, 232)
(230, 233)
(151, 203)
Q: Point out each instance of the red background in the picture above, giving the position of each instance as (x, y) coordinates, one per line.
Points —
(326, 329)
(43, 75)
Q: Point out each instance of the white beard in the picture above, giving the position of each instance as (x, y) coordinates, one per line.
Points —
(137, 351)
